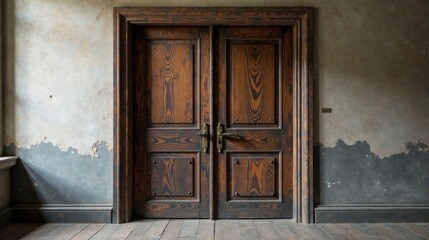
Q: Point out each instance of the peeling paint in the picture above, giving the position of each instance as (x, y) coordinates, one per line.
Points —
(353, 174)
(331, 184)
(94, 149)
(45, 174)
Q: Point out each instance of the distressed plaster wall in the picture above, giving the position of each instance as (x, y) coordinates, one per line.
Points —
(371, 59)
(47, 174)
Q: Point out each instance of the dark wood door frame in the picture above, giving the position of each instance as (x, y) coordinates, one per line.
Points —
(300, 19)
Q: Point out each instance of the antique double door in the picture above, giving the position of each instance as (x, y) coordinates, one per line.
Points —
(212, 122)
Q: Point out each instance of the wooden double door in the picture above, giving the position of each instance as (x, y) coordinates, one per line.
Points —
(212, 122)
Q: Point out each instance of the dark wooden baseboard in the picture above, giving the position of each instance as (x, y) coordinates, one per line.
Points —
(94, 213)
(372, 213)
(5, 217)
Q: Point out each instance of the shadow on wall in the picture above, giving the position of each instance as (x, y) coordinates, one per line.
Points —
(352, 174)
(47, 175)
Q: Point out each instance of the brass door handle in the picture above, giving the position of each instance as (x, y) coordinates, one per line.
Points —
(229, 134)
(204, 134)
(221, 134)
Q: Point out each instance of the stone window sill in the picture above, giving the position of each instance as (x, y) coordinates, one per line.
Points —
(7, 162)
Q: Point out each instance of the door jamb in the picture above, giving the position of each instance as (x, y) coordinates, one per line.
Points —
(301, 21)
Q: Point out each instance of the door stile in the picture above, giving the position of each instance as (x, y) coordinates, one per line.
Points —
(220, 114)
(211, 129)
(207, 117)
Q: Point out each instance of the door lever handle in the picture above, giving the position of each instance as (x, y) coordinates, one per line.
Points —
(221, 134)
(204, 134)
(229, 134)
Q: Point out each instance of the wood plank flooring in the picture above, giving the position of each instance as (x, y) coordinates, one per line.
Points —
(219, 229)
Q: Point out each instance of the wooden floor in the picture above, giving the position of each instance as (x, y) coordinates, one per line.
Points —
(220, 229)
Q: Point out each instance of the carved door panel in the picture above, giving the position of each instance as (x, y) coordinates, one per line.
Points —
(254, 135)
(172, 103)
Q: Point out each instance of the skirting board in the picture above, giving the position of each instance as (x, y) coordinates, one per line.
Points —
(371, 213)
(5, 215)
(96, 213)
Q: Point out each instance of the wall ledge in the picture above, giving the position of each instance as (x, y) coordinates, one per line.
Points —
(372, 213)
(7, 162)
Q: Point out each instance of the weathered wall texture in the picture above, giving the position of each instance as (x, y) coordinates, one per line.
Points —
(372, 59)
(47, 174)
(352, 174)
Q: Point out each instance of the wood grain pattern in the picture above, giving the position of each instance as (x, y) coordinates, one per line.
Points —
(170, 78)
(253, 77)
(172, 177)
(171, 140)
(253, 177)
(261, 140)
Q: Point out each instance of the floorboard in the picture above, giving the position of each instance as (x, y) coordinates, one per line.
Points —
(227, 230)
(172, 230)
(282, 231)
(189, 229)
(335, 232)
(88, 232)
(362, 231)
(155, 230)
(418, 228)
(265, 230)
(47, 231)
(248, 229)
(307, 231)
(140, 230)
(106, 232)
(124, 231)
(395, 231)
(72, 231)
(204, 229)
